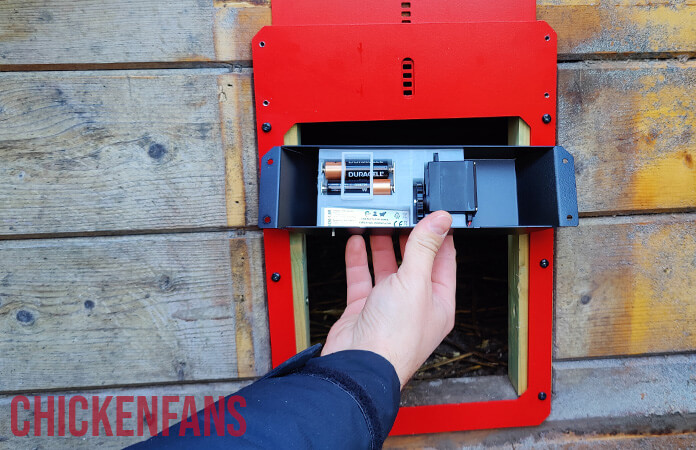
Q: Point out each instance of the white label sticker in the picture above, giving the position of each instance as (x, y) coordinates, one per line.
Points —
(348, 217)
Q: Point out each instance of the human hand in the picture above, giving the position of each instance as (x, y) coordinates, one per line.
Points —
(410, 309)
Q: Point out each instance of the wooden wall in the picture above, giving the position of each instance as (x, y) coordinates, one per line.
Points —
(129, 258)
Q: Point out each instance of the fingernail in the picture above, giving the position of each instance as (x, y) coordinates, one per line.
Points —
(441, 224)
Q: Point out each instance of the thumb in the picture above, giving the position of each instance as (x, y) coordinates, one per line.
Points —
(423, 244)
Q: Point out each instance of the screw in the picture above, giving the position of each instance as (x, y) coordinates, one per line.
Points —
(544, 263)
(546, 118)
(266, 127)
(275, 277)
(542, 396)
(266, 219)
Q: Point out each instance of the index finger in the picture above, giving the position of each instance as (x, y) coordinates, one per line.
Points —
(358, 278)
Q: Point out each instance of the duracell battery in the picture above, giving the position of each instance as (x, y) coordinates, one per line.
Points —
(358, 169)
(380, 187)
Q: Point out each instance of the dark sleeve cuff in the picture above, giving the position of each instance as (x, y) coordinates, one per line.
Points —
(366, 377)
(345, 400)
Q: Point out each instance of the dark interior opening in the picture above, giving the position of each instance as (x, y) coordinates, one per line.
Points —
(488, 131)
(478, 343)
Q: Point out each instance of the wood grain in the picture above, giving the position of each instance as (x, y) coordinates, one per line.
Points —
(518, 310)
(125, 150)
(107, 151)
(631, 127)
(626, 286)
(592, 29)
(238, 123)
(649, 402)
(66, 32)
(140, 31)
(518, 284)
(108, 311)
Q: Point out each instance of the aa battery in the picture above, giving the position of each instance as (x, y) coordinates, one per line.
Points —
(358, 169)
(380, 187)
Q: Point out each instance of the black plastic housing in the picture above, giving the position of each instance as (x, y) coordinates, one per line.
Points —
(544, 178)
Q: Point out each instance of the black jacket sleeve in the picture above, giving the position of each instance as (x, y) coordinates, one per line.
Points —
(346, 400)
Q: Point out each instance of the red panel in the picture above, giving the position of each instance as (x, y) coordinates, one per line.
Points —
(281, 316)
(347, 12)
(353, 73)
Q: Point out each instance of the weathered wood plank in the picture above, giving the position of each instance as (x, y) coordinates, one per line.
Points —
(626, 286)
(591, 29)
(176, 406)
(141, 31)
(646, 396)
(128, 31)
(609, 403)
(105, 151)
(631, 127)
(238, 122)
(107, 311)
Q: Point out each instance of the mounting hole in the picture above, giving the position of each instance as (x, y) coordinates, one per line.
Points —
(267, 219)
(269, 162)
(546, 95)
(565, 160)
(266, 103)
(547, 38)
(263, 44)
(569, 217)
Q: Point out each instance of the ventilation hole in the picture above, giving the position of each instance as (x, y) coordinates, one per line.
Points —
(565, 160)
(405, 12)
(569, 217)
(407, 67)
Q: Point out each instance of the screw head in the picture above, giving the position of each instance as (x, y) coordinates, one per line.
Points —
(266, 219)
(275, 277)
(546, 118)
(266, 127)
(542, 396)
(544, 263)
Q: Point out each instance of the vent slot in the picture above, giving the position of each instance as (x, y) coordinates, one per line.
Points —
(407, 78)
(406, 12)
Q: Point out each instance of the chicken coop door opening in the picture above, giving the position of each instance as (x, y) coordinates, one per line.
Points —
(471, 364)
(472, 361)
